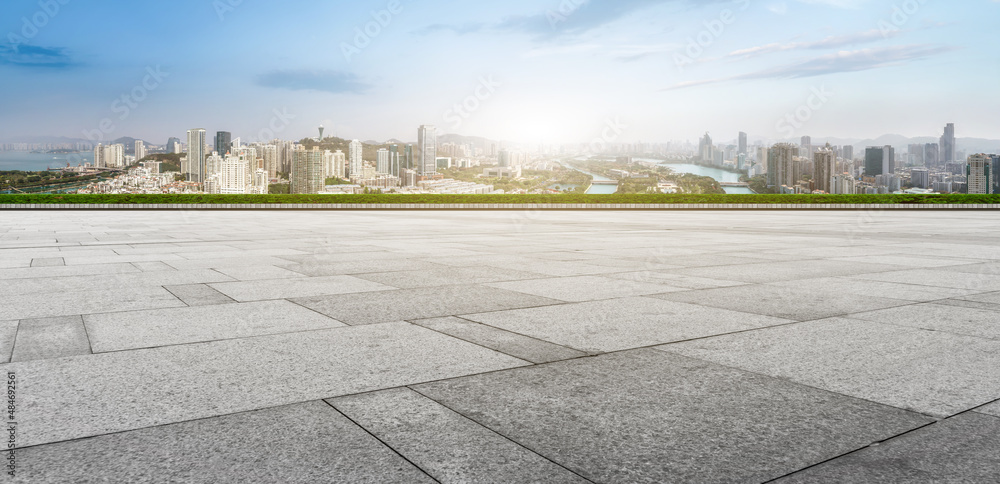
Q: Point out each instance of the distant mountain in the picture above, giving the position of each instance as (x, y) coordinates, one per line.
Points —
(899, 142)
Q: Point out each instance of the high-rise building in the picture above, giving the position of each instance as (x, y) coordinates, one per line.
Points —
(782, 168)
(806, 148)
(196, 155)
(355, 155)
(99, 156)
(339, 168)
(824, 167)
(948, 147)
(427, 150)
(307, 171)
(706, 150)
(223, 142)
(110, 156)
(213, 164)
(174, 145)
(503, 159)
(234, 174)
(932, 155)
(996, 173)
(140, 150)
(979, 174)
(743, 143)
(394, 166)
(880, 161)
(920, 178)
(321, 129)
(382, 160)
(271, 165)
(916, 155)
(848, 152)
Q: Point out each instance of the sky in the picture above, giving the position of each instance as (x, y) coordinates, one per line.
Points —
(547, 71)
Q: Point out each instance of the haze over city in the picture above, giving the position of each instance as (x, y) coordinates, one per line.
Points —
(552, 72)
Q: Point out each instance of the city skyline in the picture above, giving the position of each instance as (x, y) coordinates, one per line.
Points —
(532, 73)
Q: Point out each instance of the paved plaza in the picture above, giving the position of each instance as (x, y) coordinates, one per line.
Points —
(507, 347)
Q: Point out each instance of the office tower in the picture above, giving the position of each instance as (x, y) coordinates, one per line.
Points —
(196, 155)
(408, 157)
(824, 167)
(339, 165)
(427, 150)
(920, 178)
(848, 152)
(382, 162)
(355, 154)
(321, 128)
(99, 156)
(995, 169)
(806, 148)
(503, 159)
(140, 150)
(223, 141)
(948, 147)
(979, 174)
(916, 153)
(782, 168)
(174, 145)
(394, 168)
(706, 149)
(932, 155)
(307, 171)
(743, 143)
(880, 161)
(271, 164)
(842, 185)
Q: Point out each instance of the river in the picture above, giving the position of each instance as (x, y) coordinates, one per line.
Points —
(24, 161)
(721, 176)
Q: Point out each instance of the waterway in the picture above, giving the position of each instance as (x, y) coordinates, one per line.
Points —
(599, 189)
(24, 161)
(721, 176)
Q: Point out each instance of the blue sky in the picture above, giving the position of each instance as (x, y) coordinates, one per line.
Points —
(554, 70)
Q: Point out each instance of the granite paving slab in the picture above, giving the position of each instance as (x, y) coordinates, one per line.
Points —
(584, 288)
(120, 282)
(909, 260)
(71, 398)
(936, 373)
(446, 445)
(625, 323)
(63, 271)
(939, 278)
(420, 303)
(784, 301)
(8, 332)
(865, 287)
(163, 327)
(983, 323)
(361, 267)
(304, 443)
(446, 276)
(226, 262)
(48, 262)
(675, 280)
(991, 409)
(513, 344)
(155, 266)
(44, 305)
(258, 273)
(245, 291)
(199, 295)
(784, 271)
(41, 339)
(959, 449)
(648, 417)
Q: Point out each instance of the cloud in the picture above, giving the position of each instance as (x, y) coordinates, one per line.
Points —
(840, 62)
(569, 17)
(22, 55)
(308, 80)
(827, 43)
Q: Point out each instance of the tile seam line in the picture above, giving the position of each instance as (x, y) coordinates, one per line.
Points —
(384, 443)
(533, 338)
(497, 433)
(527, 362)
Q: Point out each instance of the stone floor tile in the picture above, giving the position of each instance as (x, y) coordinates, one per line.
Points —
(48, 262)
(983, 323)
(42, 339)
(513, 344)
(297, 288)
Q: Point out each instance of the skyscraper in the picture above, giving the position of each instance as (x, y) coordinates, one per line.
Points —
(824, 167)
(394, 168)
(196, 155)
(223, 141)
(355, 155)
(920, 178)
(382, 162)
(307, 171)
(408, 157)
(427, 150)
(880, 160)
(174, 145)
(140, 150)
(980, 176)
(948, 147)
(806, 148)
(932, 155)
(782, 168)
(848, 152)
(743, 143)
